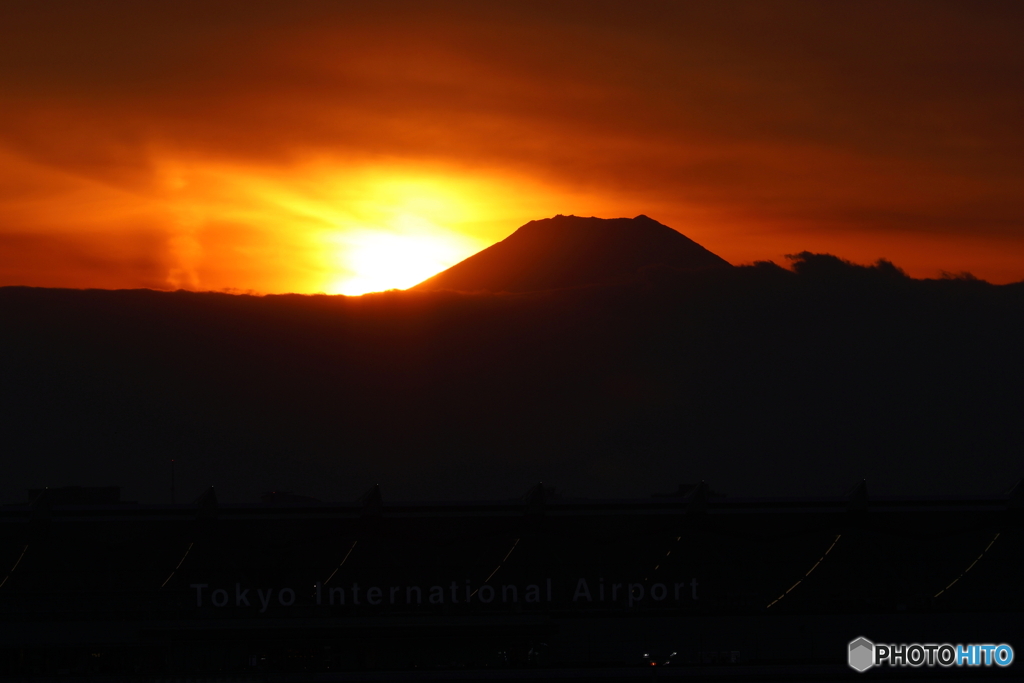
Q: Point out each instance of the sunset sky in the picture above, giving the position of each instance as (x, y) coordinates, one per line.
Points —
(351, 147)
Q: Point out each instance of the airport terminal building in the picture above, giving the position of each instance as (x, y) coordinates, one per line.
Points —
(693, 584)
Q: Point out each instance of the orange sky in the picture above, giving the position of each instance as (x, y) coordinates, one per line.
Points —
(350, 147)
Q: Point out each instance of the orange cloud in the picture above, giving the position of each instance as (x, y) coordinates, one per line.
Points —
(281, 147)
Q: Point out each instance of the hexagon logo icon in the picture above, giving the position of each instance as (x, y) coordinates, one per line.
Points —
(861, 654)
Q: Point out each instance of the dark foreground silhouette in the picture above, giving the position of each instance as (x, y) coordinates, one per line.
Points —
(759, 379)
(640, 363)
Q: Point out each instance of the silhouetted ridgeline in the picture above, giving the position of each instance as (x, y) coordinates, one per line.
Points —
(573, 251)
(757, 379)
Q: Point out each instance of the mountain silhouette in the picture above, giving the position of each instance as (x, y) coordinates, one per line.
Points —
(572, 251)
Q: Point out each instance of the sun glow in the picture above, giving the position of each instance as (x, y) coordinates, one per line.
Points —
(399, 233)
(306, 225)
(379, 260)
(321, 227)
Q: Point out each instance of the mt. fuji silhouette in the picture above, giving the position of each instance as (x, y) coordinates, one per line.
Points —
(572, 251)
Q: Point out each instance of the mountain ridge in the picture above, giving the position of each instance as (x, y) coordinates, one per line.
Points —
(573, 251)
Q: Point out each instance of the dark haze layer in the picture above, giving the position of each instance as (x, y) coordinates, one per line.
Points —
(758, 379)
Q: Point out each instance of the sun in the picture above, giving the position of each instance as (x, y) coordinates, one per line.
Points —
(397, 233)
(377, 260)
